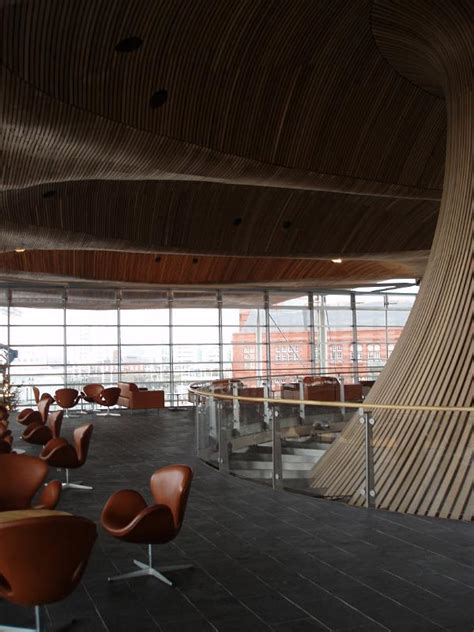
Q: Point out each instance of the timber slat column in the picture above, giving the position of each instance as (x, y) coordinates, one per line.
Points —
(423, 461)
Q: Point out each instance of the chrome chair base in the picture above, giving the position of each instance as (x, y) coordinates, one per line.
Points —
(75, 486)
(147, 570)
(37, 628)
(78, 485)
(108, 414)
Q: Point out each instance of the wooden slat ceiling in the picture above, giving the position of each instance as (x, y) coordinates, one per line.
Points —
(283, 132)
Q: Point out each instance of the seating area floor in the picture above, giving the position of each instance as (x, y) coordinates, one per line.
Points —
(263, 560)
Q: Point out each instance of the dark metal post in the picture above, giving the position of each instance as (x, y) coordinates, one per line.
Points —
(369, 490)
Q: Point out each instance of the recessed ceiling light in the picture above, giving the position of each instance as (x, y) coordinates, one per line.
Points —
(336, 260)
(50, 193)
(286, 224)
(195, 260)
(157, 259)
(158, 99)
(20, 249)
(237, 221)
(128, 45)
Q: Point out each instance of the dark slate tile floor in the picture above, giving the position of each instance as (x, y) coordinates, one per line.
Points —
(263, 560)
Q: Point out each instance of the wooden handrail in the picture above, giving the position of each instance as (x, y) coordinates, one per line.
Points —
(332, 404)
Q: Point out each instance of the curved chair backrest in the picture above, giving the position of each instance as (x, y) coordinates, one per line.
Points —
(55, 421)
(5, 448)
(82, 438)
(92, 390)
(109, 396)
(43, 407)
(4, 413)
(66, 397)
(42, 558)
(21, 476)
(170, 486)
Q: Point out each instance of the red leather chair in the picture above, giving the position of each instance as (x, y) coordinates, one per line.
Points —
(60, 453)
(42, 557)
(91, 392)
(4, 414)
(108, 397)
(127, 516)
(28, 416)
(38, 397)
(67, 398)
(22, 476)
(6, 443)
(40, 433)
(6, 438)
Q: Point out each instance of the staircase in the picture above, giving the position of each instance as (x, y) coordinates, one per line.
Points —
(297, 461)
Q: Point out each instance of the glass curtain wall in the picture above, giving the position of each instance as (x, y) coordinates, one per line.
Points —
(168, 340)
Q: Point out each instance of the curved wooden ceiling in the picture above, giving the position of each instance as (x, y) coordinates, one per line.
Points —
(281, 131)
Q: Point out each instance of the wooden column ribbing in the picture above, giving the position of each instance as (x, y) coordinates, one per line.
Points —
(423, 462)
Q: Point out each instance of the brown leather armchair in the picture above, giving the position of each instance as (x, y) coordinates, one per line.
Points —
(22, 476)
(38, 396)
(131, 396)
(40, 433)
(29, 416)
(67, 398)
(6, 438)
(42, 557)
(108, 397)
(59, 453)
(4, 413)
(91, 392)
(6, 443)
(127, 516)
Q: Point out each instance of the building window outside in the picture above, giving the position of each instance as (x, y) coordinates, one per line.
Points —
(287, 353)
(373, 352)
(336, 353)
(356, 351)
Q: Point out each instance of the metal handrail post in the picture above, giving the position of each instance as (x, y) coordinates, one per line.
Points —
(369, 490)
(267, 415)
(342, 396)
(236, 407)
(222, 437)
(301, 396)
(277, 465)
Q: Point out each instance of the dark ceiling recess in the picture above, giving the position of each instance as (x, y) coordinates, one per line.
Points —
(128, 45)
(286, 224)
(157, 259)
(50, 193)
(237, 221)
(158, 98)
(195, 260)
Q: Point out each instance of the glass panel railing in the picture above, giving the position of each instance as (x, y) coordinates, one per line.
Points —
(403, 458)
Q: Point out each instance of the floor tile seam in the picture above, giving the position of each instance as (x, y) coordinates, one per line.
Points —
(201, 614)
(309, 533)
(452, 579)
(101, 619)
(419, 534)
(343, 531)
(406, 581)
(229, 593)
(344, 602)
(398, 519)
(417, 546)
(377, 592)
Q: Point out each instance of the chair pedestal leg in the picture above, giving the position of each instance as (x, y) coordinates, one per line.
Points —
(37, 627)
(78, 485)
(147, 570)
